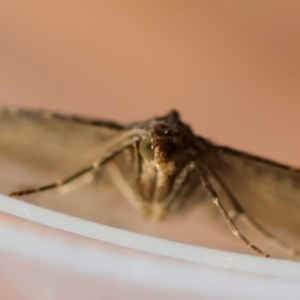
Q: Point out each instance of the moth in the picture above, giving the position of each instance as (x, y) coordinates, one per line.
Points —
(163, 163)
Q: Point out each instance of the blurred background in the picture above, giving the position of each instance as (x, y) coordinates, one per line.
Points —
(231, 68)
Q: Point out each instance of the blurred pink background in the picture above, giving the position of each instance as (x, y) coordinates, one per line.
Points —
(231, 68)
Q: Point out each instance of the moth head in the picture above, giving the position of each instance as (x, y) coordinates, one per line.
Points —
(163, 146)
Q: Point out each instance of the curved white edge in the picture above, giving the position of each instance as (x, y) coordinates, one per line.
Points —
(205, 256)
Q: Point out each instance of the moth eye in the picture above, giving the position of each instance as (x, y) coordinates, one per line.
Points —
(145, 149)
(177, 143)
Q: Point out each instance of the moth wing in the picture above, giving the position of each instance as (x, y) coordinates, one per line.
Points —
(267, 192)
(36, 148)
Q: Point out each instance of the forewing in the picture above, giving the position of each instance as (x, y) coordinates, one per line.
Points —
(267, 192)
(34, 145)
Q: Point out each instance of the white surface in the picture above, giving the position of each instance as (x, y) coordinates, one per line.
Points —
(162, 267)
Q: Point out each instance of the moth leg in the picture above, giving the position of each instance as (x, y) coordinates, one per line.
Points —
(144, 206)
(131, 187)
(130, 194)
(292, 252)
(163, 208)
(53, 185)
(215, 199)
(95, 166)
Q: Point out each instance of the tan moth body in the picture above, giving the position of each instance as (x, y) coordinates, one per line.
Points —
(160, 163)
